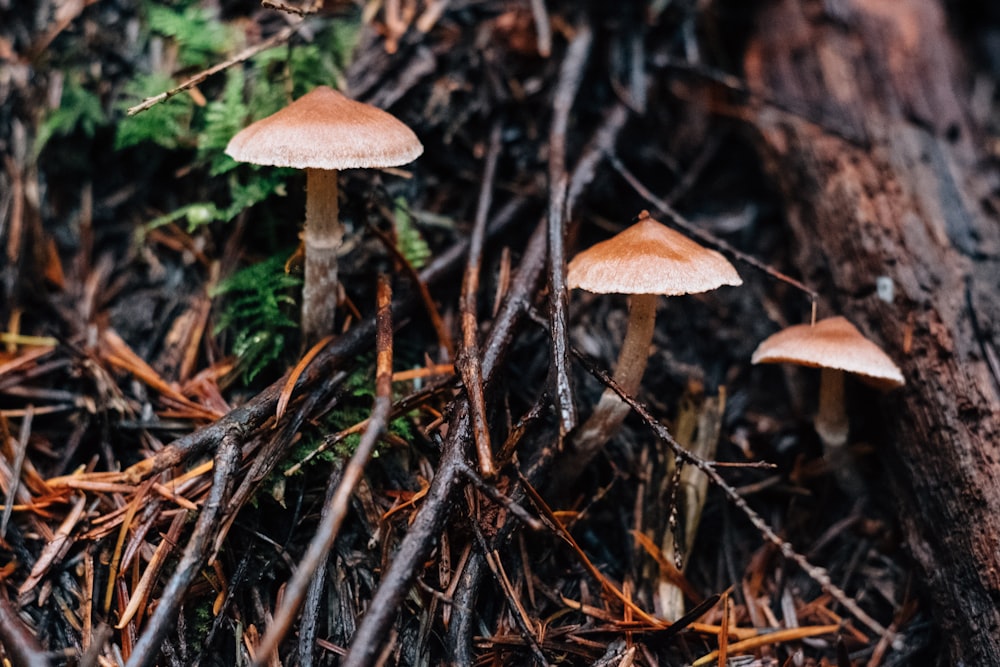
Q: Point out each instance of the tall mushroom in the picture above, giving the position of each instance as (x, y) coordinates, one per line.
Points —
(645, 260)
(323, 132)
(837, 347)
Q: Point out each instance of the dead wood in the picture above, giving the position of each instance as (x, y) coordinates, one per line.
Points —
(885, 178)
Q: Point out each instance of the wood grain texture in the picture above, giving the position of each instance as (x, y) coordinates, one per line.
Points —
(860, 108)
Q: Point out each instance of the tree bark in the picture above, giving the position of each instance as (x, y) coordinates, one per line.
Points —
(862, 112)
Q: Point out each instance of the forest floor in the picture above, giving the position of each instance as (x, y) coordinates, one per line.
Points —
(170, 443)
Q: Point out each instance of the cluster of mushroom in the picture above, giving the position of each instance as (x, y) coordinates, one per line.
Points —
(324, 132)
(648, 259)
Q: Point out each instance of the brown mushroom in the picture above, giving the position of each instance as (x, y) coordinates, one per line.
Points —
(645, 260)
(836, 347)
(323, 132)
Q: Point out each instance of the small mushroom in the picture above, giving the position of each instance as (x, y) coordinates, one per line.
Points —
(645, 260)
(835, 346)
(323, 132)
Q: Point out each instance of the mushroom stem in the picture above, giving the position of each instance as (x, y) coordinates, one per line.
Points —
(831, 420)
(832, 426)
(322, 238)
(611, 410)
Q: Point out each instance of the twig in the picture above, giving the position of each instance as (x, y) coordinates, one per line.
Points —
(277, 38)
(315, 595)
(463, 617)
(543, 27)
(329, 525)
(570, 77)
(816, 573)
(227, 460)
(417, 542)
(709, 238)
(270, 454)
(468, 362)
(461, 627)
(444, 338)
(101, 637)
(290, 9)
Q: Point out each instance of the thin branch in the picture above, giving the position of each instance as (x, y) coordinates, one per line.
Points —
(283, 7)
(444, 338)
(543, 27)
(15, 473)
(517, 611)
(277, 38)
(501, 499)
(468, 362)
(585, 170)
(567, 86)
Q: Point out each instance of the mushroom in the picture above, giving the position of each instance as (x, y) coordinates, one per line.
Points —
(645, 260)
(323, 132)
(835, 346)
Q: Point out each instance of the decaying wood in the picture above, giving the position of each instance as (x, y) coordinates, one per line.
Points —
(883, 171)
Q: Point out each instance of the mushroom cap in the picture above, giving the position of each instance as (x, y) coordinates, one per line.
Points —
(831, 343)
(325, 130)
(650, 258)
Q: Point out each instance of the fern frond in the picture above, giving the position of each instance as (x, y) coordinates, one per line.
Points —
(258, 186)
(166, 124)
(79, 108)
(200, 36)
(223, 118)
(257, 309)
(408, 238)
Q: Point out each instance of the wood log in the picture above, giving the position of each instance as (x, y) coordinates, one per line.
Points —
(863, 117)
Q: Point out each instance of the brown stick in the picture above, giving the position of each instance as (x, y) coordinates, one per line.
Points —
(468, 361)
(277, 38)
(418, 540)
(570, 77)
(585, 170)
